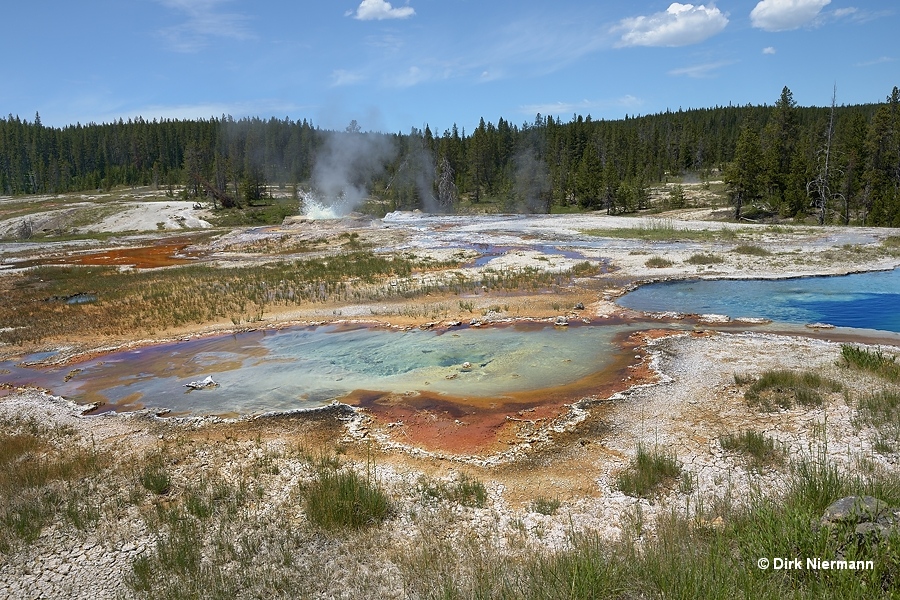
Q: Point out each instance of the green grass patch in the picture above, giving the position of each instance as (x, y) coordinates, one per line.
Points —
(340, 498)
(783, 389)
(704, 259)
(648, 473)
(750, 250)
(43, 477)
(272, 213)
(891, 241)
(154, 477)
(665, 230)
(874, 361)
(585, 269)
(145, 302)
(881, 410)
(760, 449)
(658, 262)
(687, 556)
(466, 490)
(545, 506)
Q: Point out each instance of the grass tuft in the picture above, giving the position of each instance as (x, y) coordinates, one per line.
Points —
(467, 491)
(704, 259)
(44, 476)
(751, 250)
(658, 262)
(784, 389)
(154, 477)
(875, 361)
(545, 506)
(761, 450)
(340, 498)
(648, 472)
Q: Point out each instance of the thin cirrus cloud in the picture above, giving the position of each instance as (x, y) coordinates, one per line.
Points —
(784, 15)
(379, 10)
(342, 77)
(702, 71)
(679, 25)
(203, 20)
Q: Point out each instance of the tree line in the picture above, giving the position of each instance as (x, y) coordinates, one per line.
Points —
(838, 163)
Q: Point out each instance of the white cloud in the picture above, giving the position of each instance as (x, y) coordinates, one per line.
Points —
(203, 21)
(409, 78)
(700, 71)
(378, 10)
(878, 61)
(840, 13)
(342, 77)
(769, 50)
(679, 25)
(783, 15)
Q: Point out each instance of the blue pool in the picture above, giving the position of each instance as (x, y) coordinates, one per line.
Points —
(861, 300)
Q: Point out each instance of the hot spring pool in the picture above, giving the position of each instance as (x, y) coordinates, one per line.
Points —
(297, 368)
(861, 300)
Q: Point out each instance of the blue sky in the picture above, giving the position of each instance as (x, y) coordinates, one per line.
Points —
(407, 63)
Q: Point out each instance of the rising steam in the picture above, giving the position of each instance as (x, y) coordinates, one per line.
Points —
(345, 167)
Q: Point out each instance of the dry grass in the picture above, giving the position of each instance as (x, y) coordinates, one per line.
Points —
(136, 303)
(44, 478)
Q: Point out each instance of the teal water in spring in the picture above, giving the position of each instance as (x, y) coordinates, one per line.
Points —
(297, 368)
(860, 300)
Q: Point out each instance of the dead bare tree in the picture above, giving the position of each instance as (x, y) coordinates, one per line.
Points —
(820, 187)
(25, 230)
(448, 195)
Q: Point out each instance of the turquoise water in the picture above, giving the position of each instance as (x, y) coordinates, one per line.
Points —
(862, 300)
(300, 368)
